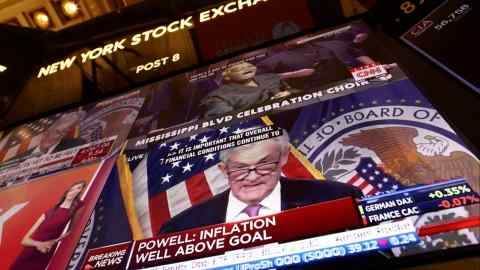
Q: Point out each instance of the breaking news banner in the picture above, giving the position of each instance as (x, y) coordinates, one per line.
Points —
(286, 76)
(64, 140)
(143, 254)
(41, 232)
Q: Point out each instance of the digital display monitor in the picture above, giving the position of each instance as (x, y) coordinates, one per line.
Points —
(315, 149)
(445, 37)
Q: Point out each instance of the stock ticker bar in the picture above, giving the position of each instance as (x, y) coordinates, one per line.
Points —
(417, 200)
(320, 252)
(277, 255)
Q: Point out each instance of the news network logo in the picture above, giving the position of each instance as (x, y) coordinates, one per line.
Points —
(368, 71)
(421, 27)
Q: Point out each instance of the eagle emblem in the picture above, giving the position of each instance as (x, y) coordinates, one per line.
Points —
(414, 163)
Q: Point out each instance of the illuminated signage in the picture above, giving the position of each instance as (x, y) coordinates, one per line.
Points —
(148, 35)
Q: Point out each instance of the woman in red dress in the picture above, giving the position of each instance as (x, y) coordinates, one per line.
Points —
(41, 240)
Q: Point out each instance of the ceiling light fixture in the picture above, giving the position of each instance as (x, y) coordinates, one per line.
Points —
(70, 8)
(41, 19)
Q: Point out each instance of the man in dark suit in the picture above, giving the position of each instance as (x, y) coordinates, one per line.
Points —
(257, 188)
(53, 139)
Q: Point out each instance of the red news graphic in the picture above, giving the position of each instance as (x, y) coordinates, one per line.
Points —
(93, 152)
(421, 27)
(109, 257)
(206, 241)
(368, 71)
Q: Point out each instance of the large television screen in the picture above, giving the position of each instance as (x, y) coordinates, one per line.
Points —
(315, 149)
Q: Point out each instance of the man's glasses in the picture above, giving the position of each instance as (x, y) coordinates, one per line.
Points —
(260, 169)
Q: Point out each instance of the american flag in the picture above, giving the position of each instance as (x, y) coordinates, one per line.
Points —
(176, 186)
(370, 178)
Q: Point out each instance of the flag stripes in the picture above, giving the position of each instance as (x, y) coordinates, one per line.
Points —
(198, 189)
(354, 179)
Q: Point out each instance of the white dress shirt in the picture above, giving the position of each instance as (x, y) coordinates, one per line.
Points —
(37, 150)
(272, 204)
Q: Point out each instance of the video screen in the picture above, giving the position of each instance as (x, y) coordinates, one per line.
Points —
(444, 37)
(306, 65)
(73, 138)
(316, 149)
(285, 18)
(41, 222)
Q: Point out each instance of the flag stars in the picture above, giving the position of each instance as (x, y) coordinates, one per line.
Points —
(364, 170)
(162, 145)
(237, 131)
(360, 104)
(376, 172)
(210, 156)
(395, 187)
(166, 178)
(385, 179)
(369, 165)
(403, 100)
(174, 146)
(224, 130)
(388, 101)
(374, 102)
(193, 137)
(204, 139)
(371, 178)
(176, 164)
(380, 185)
(187, 168)
(418, 101)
